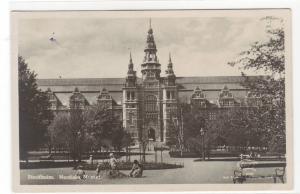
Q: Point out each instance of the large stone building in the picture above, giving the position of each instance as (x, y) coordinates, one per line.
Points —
(147, 102)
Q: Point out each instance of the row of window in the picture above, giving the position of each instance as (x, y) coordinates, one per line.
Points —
(151, 116)
(131, 118)
(254, 102)
(171, 105)
(226, 103)
(54, 105)
(151, 104)
(200, 103)
(130, 106)
(212, 116)
(171, 95)
(150, 85)
(77, 104)
(130, 95)
(150, 74)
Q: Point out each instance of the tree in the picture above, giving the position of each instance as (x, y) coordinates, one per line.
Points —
(59, 132)
(268, 56)
(34, 113)
(77, 134)
(239, 127)
(87, 130)
(105, 128)
(194, 120)
(126, 142)
(143, 139)
(66, 130)
(176, 130)
(235, 126)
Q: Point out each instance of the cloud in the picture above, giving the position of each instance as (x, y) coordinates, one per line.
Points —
(99, 47)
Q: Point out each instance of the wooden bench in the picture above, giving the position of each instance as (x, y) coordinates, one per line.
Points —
(245, 166)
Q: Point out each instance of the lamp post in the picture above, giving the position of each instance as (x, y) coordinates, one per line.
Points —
(202, 132)
(79, 145)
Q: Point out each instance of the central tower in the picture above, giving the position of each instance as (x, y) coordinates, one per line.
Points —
(150, 66)
(149, 104)
(151, 90)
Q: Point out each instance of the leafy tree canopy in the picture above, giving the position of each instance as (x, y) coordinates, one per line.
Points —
(34, 113)
(269, 57)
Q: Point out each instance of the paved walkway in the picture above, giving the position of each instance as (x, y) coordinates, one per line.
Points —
(192, 173)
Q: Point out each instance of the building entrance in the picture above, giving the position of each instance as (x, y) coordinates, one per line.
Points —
(151, 134)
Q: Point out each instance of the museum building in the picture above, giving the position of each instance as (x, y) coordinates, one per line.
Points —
(149, 101)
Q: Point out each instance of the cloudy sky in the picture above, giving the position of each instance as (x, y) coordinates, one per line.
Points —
(99, 47)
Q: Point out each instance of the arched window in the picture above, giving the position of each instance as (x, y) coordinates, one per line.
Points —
(130, 118)
(168, 95)
(150, 104)
(151, 134)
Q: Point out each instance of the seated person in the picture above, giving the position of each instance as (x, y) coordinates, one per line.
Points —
(137, 170)
(80, 172)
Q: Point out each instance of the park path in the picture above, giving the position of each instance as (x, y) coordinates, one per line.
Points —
(193, 173)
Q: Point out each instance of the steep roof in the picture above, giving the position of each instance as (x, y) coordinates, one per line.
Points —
(80, 81)
(116, 84)
(91, 87)
(121, 81)
(210, 79)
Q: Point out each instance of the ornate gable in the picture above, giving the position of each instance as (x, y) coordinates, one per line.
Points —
(54, 102)
(198, 94)
(198, 98)
(77, 100)
(226, 98)
(105, 99)
(253, 99)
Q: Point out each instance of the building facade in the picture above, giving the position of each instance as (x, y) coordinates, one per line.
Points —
(148, 103)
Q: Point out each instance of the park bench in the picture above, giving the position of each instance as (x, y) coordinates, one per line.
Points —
(249, 169)
(48, 158)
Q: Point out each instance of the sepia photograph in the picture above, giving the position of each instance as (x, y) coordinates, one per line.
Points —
(185, 99)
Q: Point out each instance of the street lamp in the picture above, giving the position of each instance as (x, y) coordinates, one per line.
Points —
(202, 132)
(79, 145)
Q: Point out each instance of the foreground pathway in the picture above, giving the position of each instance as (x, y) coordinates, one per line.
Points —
(192, 173)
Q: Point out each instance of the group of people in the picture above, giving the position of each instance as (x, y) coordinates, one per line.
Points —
(135, 172)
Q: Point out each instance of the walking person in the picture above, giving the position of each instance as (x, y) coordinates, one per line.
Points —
(98, 170)
(113, 165)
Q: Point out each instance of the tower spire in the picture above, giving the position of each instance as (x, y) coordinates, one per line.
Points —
(131, 74)
(130, 65)
(169, 72)
(130, 58)
(170, 64)
(170, 60)
(150, 66)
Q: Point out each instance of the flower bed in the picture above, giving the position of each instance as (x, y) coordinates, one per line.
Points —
(47, 164)
(128, 165)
